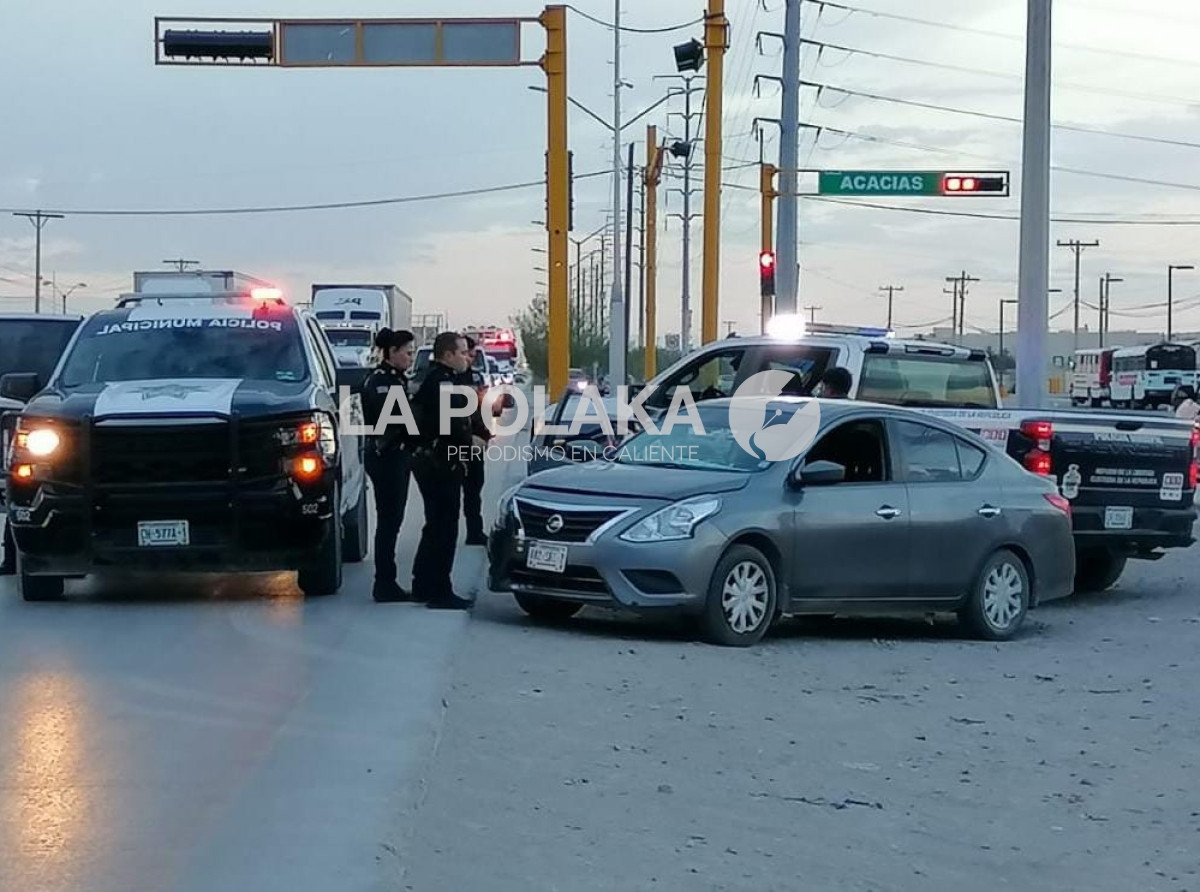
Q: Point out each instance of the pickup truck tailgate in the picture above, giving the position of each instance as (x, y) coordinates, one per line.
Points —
(1134, 469)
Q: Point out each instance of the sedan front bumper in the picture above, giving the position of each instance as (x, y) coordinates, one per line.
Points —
(609, 572)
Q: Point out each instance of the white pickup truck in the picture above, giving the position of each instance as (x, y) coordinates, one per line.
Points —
(1130, 476)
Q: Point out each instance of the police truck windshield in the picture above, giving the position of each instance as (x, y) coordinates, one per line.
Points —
(116, 349)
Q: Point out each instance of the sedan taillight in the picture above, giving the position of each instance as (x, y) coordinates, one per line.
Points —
(1062, 503)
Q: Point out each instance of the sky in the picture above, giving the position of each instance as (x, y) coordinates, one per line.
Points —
(90, 123)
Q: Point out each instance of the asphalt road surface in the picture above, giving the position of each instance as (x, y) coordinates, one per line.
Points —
(225, 734)
(219, 734)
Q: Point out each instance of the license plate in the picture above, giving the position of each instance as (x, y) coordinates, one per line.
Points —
(1118, 518)
(546, 556)
(157, 533)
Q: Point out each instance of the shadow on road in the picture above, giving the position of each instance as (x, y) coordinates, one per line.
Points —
(160, 588)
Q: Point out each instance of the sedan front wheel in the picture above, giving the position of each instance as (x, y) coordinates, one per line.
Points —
(741, 598)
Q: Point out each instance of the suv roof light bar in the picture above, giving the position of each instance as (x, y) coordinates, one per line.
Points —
(256, 295)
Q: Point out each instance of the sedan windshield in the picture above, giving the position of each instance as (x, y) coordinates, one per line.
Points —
(239, 347)
(682, 446)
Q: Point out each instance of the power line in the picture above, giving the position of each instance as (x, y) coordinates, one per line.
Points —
(334, 205)
(625, 28)
(1128, 54)
(966, 69)
(983, 216)
(1055, 167)
(1074, 128)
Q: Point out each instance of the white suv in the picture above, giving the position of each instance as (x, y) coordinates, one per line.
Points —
(884, 369)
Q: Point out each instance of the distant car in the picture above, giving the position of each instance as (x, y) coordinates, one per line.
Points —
(352, 347)
(889, 511)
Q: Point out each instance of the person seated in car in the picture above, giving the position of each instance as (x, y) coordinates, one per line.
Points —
(835, 384)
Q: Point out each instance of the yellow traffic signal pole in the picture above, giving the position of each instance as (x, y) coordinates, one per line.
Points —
(716, 29)
(654, 159)
(558, 196)
(766, 187)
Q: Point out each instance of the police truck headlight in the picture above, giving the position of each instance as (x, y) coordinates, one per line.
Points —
(674, 522)
(41, 442)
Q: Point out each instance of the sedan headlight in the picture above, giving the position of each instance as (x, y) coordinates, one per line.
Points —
(40, 442)
(506, 505)
(676, 521)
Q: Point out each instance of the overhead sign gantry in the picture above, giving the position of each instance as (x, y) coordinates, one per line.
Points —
(409, 43)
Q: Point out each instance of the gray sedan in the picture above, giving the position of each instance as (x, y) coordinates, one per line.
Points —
(888, 511)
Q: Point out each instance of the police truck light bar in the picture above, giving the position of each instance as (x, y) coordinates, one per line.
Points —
(993, 182)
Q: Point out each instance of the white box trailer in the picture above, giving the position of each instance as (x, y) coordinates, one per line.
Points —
(368, 306)
(195, 281)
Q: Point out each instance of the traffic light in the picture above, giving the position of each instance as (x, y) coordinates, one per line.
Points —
(990, 183)
(689, 56)
(219, 44)
(766, 272)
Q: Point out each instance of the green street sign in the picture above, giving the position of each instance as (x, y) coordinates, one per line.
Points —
(912, 182)
(880, 182)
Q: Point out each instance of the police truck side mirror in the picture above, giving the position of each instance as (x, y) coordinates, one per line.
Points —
(353, 378)
(20, 386)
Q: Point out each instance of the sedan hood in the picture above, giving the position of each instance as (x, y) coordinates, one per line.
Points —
(636, 481)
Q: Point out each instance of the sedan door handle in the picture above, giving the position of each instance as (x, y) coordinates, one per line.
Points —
(989, 511)
(887, 512)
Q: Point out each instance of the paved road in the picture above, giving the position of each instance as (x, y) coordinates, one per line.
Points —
(843, 755)
(220, 734)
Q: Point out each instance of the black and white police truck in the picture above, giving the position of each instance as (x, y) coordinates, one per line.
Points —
(191, 434)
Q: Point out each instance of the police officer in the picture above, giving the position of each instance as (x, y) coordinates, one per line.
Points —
(389, 455)
(438, 466)
(473, 474)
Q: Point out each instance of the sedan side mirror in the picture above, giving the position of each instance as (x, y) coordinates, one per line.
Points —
(354, 378)
(20, 386)
(818, 473)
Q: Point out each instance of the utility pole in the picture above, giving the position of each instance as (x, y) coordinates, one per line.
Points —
(181, 264)
(891, 291)
(787, 250)
(39, 220)
(654, 160)
(716, 41)
(616, 343)
(953, 292)
(1171, 296)
(628, 266)
(1077, 247)
(1000, 357)
(685, 150)
(1106, 282)
(641, 334)
(1033, 309)
(960, 300)
(812, 314)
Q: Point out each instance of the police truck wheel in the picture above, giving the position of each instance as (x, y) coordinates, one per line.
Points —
(999, 600)
(42, 588)
(548, 609)
(324, 576)
(741, 599)
(1097, 570)
(357, 535)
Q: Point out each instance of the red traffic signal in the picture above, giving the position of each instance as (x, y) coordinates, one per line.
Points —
(975, 184)
(766, 273)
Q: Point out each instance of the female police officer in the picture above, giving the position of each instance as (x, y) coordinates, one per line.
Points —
(388, 455)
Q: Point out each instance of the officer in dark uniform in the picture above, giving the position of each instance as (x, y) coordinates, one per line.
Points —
(473, 475)
(389, 456)
(438, 466)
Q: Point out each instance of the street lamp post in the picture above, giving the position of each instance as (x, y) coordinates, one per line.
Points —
(1004, 300)
(1171, 296)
